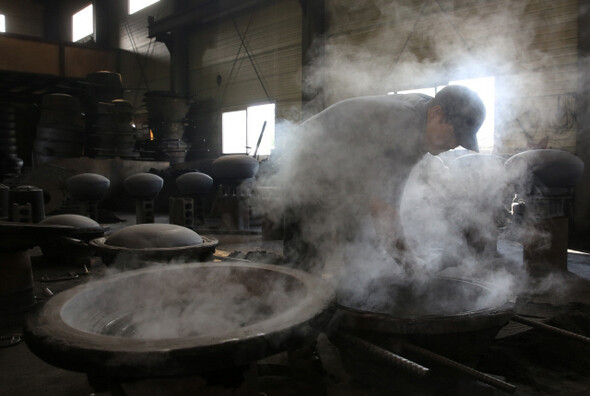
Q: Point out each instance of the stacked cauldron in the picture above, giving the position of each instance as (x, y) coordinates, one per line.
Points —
(110, 130)
(104, 86)
(60, 132)
(166, 114)
(9, 162)
(109, 118)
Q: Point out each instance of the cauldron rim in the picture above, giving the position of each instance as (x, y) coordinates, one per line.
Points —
(464, 321)
(207, 246)
(51, 338)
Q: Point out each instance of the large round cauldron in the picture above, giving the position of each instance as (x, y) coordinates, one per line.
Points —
(454, 318)
(178, 319)
(450, 318)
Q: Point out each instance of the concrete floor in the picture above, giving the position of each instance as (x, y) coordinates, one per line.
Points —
(22, 373)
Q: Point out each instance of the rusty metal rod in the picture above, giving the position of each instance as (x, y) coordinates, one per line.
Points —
(483, 377)
(553, 329)
(384, 355)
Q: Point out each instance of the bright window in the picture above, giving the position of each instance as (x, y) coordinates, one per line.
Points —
(241, 130)
(83, 23)
(136, 5)
(431, 91)
(485, 88)
(2, 23)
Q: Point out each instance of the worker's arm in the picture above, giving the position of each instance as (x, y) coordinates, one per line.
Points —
(387, 223)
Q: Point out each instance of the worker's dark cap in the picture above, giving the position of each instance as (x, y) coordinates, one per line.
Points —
(464, 110)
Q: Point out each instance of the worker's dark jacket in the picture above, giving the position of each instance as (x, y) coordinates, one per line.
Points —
(354, 150)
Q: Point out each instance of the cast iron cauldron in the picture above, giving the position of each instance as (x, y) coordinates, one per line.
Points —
(442, 318)
(431, 312)
(153, 241)
(57, 247)
(548, 170)
(179, 319)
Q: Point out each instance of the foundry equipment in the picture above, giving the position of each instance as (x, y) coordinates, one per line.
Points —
(180, 321)
(438, 326)
(129, 247)
(10, 163)
(232, 199)
(16, 274)
(87, 190)
(544, 182)
(144, 187)
(4, 202)
(72, 248)
(60, 132)
(27, 204)
(166, 113)
(188, 209)
(110, 130)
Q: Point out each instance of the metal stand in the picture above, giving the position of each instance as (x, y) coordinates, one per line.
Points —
(89, 209)
(22, 213)
(181, 211)
(144, 211)
(233, 207)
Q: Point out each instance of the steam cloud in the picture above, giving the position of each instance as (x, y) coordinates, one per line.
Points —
(452, 216)
(179, 301)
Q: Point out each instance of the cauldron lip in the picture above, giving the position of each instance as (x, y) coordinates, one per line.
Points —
(101, 245)
(49, 335)
(18, 236)
(429, 324)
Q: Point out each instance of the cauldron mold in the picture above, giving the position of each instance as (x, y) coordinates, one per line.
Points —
(51, 338)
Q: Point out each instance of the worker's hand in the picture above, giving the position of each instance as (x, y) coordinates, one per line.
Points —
(413, 265)
(385, 217)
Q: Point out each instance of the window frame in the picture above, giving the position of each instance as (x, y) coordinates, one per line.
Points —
(86, 36)
(130, 12)
(252, 133)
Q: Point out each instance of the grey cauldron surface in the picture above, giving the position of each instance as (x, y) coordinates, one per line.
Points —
(74, 245)
(439, 315)
(233, 169)
(179, 319)
(88, 186)
(548, 170)
(194, 183)
(453, 318)
(152, 241)
(145, 186)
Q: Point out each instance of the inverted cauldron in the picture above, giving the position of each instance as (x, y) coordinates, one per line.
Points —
(156, 242)
(179, 319)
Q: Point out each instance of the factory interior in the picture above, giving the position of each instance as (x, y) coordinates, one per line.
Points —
(157, 180)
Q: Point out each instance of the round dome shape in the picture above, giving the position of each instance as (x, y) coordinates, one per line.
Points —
(143, 185)
(133, 245)
(134, 324)
(234, 167)
(194, 183)
(105, 78)
(546, 168)
(73, 220)
(88, 186)
(74, 245)
(153, 235)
